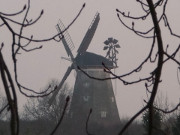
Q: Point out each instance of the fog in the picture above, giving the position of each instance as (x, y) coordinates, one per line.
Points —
(37, 68)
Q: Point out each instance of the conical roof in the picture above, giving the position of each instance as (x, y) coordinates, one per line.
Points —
(92, 60)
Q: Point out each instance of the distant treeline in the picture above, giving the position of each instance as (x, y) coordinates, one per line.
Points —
(171, 126)
(45, 127)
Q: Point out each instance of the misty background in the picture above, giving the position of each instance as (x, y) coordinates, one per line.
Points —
(37, 68)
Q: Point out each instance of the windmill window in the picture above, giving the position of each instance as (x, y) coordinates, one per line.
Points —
(86, 84)
(103, 114)
(86, 98)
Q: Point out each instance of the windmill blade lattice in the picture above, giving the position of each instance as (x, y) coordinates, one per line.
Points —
(67, 38)
(89, 35)
(66, 45)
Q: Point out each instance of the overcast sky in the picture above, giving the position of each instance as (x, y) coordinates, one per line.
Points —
(37, 68)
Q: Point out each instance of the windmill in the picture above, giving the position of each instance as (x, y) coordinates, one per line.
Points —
(89, 93)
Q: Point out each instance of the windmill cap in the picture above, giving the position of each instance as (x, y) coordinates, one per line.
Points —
(92, 60)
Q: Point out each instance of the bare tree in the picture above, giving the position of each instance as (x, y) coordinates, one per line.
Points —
(161, 58)
(151, 82)
(4, 107)
(20, 43)
(39, 108)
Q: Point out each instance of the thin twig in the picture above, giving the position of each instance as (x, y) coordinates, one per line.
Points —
(87, 121)
(4, 108)
(62, 116)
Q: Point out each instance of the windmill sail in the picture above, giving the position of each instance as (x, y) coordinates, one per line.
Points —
(68, 44)
(89, 34)
(61, 84)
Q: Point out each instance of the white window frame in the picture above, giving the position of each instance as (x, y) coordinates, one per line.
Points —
(103, 114)
(86, 84)
(86, 98)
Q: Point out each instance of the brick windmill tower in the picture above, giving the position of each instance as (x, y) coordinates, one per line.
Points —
(89, 94)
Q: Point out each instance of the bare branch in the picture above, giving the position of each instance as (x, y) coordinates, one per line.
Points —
(172, 56)
(4, 108)
(53, 37)
(90, 112)
(1, 24)
(139, 33)
(2, 45)
(24, 25)
(21, 29)
(11, 96)
(170, 111)
(13, 14)
(169, 27)
(32, 49)
(62, 116)
(132, 119)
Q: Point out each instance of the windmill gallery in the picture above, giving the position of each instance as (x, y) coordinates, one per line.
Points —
(90, 95)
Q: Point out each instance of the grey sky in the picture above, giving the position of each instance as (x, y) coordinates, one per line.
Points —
(37, 68)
